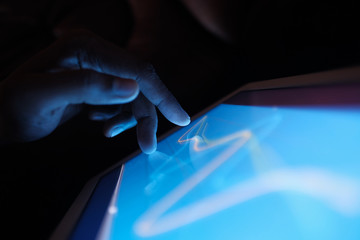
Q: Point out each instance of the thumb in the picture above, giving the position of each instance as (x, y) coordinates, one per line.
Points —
(91, 87)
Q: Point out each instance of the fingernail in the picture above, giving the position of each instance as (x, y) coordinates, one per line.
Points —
(149, 149)
(184, 120)
(187, 120)
(116, 131)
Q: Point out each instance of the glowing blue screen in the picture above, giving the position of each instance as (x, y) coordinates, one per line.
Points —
(245, 172)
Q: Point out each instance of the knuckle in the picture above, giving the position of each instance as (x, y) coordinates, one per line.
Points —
(149, 67)
(146, 71)
(149, 70)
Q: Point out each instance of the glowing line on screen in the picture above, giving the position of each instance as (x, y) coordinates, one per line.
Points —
(339, 193)
(198, 141)
(198, 138)
(146, 225)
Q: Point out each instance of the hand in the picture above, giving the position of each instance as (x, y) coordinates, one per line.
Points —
(84, 69)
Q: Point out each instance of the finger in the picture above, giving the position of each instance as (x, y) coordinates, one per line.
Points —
(158, 94)
(145, 115)
(87, 86)
(103, 113)
(106, 57)
(119, 124)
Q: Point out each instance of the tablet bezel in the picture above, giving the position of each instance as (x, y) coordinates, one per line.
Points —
(344, 75)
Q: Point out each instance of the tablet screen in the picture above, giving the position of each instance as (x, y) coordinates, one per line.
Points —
(272, 164)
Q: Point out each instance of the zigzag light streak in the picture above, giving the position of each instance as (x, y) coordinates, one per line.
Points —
(339, 193)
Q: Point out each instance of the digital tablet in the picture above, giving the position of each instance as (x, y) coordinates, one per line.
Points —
(278, 159)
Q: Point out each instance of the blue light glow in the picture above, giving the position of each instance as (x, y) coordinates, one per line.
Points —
(246, 172)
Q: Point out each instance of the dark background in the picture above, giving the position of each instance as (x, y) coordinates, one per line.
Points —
(40, 180)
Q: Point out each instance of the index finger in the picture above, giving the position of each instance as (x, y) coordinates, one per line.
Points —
(103, 56)
(158, 94)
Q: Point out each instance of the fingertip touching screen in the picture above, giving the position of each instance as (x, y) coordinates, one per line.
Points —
(270, 164)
